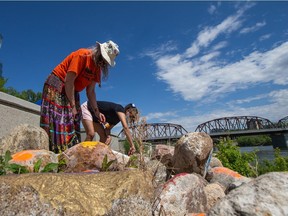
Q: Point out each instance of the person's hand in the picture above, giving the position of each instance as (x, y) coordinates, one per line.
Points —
(102, 117)
(132, 150)
(108, 140)
(74, 112)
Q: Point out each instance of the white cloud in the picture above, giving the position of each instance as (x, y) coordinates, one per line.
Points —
(220, 45)
(209, 56)
(265, 37)
(273, 111)
(199, 74)
(160, 117)
(159, 51)
(195, 79)
(254, 28)
(251, 99)
(209, 34)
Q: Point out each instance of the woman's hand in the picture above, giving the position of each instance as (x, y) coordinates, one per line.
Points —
(102, 117)
(132, 150)
(108, 140)
(74, 112)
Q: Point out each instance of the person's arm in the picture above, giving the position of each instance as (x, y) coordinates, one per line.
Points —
(122, 118)
(70, 90)
(90, 92)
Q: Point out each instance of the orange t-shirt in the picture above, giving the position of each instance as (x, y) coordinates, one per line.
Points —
(82, 64)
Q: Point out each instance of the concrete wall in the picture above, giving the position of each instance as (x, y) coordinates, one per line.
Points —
(15, 111)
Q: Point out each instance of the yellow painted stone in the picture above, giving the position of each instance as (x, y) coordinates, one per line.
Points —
(89, 144)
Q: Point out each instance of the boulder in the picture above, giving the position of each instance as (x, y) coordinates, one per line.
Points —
(214, 192)
(192, 153)
(131, 206)
(89, 156)
(121, 158)
(163, 153)
(215, 162)
(265, 195)
(24, 137)
(228, 178)
(78, 194)
(182, 194)
(158, 170)
(29, 158)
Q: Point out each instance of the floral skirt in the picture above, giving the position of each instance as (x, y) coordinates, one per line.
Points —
(56, 116)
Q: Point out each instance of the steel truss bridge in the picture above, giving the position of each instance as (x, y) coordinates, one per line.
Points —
(156, 132)
(242, 125)
(216, 128)
(283, 122)
(247, 125)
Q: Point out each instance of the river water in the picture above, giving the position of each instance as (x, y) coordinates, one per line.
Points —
(264, 152)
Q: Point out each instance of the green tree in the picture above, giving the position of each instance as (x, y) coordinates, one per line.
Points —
(2, 83)
(231, 157)
(256, 140)
(278, 164)
(247, 164)
(28, 95)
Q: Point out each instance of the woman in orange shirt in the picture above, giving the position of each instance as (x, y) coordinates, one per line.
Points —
(60, 108)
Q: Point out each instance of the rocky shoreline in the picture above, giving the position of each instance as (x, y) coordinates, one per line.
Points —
(180, 180)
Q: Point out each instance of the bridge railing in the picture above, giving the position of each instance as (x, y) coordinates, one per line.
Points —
(283, 123)
(237, 123)
(155, 131)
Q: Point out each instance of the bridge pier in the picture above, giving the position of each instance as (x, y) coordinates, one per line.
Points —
(280, 140)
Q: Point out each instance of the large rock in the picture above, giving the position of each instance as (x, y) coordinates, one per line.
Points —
(265, 195)
(182, 194)
(159, 172)
(78, 194)
(214, 192)
(215, 162)
(89, 156)
(131, 206)
(228, 178)
(163, 153)
(121, 158)
(192, 153)
(29, 158)
(24, 137)
(25, 200)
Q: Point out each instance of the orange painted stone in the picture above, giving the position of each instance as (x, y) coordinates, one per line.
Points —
(226, 171)
(22, 156)
(29, 158)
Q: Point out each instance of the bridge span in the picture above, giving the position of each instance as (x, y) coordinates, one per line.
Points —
(216, 128)
(156, 132)
(245, 126)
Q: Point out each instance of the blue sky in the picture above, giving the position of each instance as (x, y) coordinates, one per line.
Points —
(180, 62)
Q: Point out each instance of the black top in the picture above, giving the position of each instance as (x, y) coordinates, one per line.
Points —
(109, 109)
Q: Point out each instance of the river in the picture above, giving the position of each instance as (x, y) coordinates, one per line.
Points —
(264, 152)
